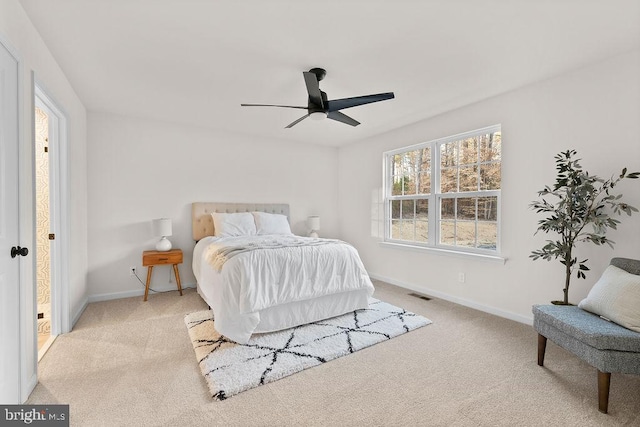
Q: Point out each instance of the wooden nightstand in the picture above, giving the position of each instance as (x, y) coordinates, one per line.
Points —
(153, 258)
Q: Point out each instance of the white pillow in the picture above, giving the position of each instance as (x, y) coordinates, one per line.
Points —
(268, 223)
(616, 296)
(233, 224)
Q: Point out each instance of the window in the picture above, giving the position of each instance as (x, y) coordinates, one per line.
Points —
(446, 193)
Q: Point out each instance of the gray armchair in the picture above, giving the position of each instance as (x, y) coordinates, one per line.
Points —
(602, 344)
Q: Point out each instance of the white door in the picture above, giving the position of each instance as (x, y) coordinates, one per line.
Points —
(9, 234)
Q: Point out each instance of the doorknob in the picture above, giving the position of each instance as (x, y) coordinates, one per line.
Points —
(17, 250)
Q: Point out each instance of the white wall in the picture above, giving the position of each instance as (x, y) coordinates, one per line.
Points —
(16, 28)
(139, 170)
(595, 110)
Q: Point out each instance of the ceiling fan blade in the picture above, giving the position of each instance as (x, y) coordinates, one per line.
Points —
(271, 105)
(341, 104)
(313, 88)
(296, 122)
(340, 117)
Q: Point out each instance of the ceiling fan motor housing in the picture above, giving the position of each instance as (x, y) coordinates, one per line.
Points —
(315, 107)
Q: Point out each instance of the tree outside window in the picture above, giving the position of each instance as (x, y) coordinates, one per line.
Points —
(446, 193)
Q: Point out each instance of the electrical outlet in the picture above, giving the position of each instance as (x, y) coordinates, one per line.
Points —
(461, 277)
(132, 271)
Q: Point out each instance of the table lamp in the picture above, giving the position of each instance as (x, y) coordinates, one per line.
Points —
(313, 222)
(162, 227)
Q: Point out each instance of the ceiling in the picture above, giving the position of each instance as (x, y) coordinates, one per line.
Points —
(193, 62)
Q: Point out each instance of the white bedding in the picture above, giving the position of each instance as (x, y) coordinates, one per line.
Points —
(270, 289)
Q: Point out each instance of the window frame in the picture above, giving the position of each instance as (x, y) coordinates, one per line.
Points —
(435, 197)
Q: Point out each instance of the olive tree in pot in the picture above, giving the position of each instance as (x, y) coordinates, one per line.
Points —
(578, 208)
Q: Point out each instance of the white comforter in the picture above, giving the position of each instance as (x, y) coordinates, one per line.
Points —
(269, 277)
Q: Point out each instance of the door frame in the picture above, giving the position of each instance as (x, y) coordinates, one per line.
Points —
(59, 210)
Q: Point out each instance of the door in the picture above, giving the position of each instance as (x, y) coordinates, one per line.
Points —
(9, 231)
(52, 202)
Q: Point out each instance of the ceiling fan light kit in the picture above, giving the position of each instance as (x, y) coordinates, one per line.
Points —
(318, 115)
(320, 107)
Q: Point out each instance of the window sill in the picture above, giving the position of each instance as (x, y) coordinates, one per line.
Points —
(445, 252)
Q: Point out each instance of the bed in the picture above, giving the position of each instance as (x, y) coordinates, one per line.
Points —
(270, 279)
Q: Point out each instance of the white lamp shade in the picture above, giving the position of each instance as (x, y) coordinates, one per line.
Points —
(314, 223)
(162, 227)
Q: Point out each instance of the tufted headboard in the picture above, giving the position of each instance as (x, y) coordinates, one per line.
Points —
(202, 223)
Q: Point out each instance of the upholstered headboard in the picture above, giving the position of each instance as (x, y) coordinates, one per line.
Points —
(202, 223)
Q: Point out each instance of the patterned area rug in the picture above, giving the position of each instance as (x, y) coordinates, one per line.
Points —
(230, 368)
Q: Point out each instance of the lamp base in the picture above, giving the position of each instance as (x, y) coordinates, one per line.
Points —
(163, 245)
(313, 234)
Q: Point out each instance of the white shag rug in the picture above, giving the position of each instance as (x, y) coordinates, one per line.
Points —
(230, 368)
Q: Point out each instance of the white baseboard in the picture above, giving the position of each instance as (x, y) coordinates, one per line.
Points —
(134, 293)
(462, 301)
(76, 317)
(32, 382)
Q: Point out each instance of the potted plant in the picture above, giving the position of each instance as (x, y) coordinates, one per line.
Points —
(577, 200)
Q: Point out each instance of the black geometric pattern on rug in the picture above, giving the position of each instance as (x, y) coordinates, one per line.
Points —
(230, 368)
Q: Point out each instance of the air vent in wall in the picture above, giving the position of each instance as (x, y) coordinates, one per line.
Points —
(420, 296)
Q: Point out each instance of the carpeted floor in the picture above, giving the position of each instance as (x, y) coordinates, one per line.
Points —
(130, 363)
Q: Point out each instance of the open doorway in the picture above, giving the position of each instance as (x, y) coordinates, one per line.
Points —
(43, 142)
(51, 227)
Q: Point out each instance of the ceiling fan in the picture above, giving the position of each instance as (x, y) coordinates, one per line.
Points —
(319, 107)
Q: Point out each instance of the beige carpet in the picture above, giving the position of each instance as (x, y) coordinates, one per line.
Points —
(131, 363)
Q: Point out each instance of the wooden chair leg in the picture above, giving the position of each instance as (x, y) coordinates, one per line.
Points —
(604, 381)
(542, 347)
